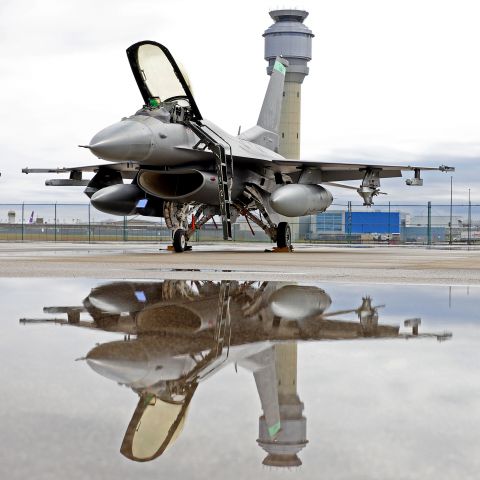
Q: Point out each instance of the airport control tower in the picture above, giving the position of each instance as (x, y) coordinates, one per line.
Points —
(290, 38)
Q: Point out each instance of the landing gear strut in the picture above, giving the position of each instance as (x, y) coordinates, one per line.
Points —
(176, 218)
(281, 233)
(284, 235)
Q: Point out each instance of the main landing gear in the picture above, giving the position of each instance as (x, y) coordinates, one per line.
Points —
(283, 238)
(176, 218)
(281, 233)
(284, 235)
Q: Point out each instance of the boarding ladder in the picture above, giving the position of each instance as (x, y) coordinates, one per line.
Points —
(216, 357)
(223, 327)
(224, 182)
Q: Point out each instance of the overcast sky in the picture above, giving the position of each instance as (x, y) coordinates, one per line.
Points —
(390, 81)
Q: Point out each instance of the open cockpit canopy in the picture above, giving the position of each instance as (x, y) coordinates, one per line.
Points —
(159, 78)
(155, 425)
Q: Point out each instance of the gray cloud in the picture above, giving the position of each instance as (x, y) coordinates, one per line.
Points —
(64, 76)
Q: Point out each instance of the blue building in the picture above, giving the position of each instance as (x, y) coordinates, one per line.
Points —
(372, 222)
(343, 222)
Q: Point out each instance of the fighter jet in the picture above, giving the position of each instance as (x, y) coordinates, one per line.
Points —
(188, 170)
(179, 333)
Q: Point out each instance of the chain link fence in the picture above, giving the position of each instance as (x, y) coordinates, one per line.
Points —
(390, 223)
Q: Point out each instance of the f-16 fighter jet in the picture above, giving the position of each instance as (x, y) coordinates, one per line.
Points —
(187, 170)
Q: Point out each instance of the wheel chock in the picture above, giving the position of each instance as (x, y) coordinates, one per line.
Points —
(171, 248)
(280, 249)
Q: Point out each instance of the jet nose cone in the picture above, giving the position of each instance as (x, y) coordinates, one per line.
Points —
(125, 140)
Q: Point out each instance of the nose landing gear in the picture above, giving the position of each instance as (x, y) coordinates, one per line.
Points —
(179, 240)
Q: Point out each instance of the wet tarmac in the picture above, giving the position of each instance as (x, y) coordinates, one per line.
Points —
(238, 379)
(364, 264)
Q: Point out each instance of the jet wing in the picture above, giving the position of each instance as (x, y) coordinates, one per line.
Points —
(320, 172)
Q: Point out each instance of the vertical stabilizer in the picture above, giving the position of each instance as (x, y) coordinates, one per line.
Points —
(264, 371)
(269, 117)
(265, 133)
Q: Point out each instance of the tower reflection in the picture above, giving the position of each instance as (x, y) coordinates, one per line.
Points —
(284, 443)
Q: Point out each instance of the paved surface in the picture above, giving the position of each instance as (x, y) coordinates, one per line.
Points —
(243, 261)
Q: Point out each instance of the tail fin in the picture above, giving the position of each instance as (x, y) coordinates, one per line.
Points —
(265, 133)
(269, 117)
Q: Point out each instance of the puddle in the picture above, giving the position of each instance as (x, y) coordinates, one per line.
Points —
(215, 379)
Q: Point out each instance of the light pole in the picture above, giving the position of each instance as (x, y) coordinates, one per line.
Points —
(469, 218)
(451, 208)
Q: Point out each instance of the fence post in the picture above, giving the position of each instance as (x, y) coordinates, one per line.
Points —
(89, 231)
(349, 222)
(389, 227)
(451, 210)
(429, 223)
(469, 234)
(23, 220)
(125, 229)
(55, 224)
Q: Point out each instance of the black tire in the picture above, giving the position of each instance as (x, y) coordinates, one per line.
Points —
(284, 235)
(179, 240)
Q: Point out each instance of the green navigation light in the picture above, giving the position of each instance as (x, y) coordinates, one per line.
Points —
(274, 429)
(279, 67)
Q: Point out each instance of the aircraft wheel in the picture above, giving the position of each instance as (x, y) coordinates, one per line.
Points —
(179, 240)
(284, 236)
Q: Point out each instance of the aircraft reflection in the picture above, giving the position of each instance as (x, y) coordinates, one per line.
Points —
(178, 333)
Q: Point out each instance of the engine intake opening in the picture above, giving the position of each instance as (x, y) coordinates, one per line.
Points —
(171, 185)
(180, 185)
(168, 317)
